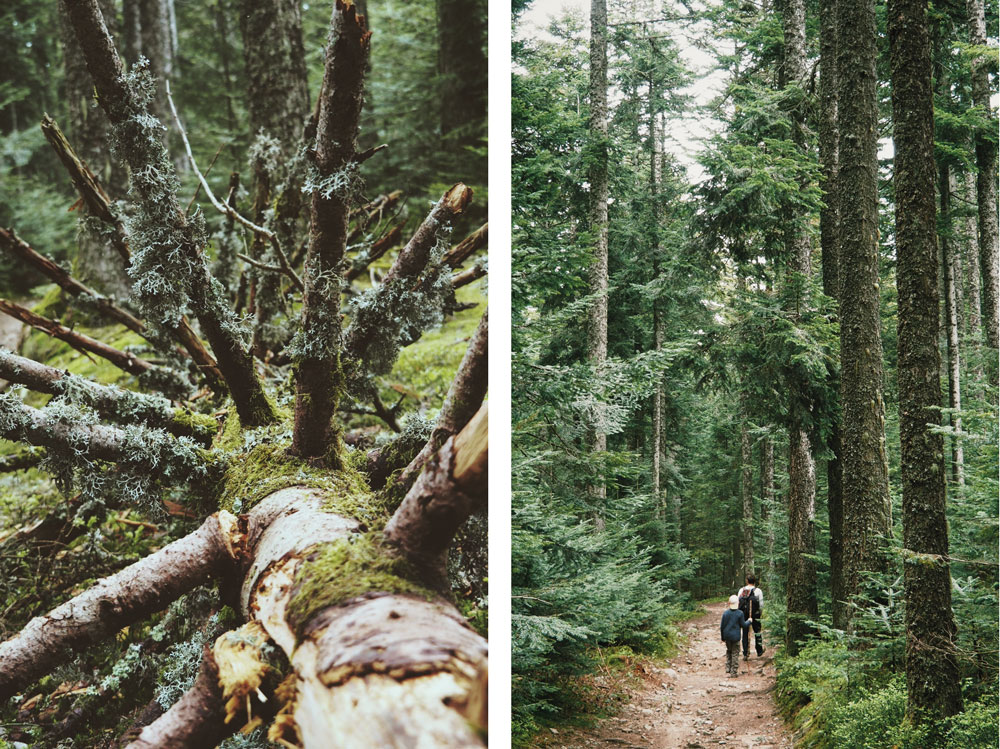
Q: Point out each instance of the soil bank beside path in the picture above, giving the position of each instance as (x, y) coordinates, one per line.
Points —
(693, 703)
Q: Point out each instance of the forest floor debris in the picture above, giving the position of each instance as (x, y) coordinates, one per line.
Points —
(692, 703)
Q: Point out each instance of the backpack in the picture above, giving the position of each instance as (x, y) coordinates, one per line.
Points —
(748, 604)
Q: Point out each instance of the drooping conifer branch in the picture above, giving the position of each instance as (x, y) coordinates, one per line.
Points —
(464, 398)
(168, 266)
(127, 596)
(464, 249)
(451, 487)
(58, 275)
(99, 205)
(316, 348)
(111, 402)
(407, 300)
(128, 362)
(91, 192)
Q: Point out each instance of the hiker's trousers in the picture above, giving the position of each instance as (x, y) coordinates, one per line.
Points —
(758, 640)
(733, 657)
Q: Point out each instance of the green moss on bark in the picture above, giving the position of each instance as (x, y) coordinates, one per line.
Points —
(342, 570)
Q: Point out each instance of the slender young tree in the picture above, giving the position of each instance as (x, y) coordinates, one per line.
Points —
(597, 345)
(867, 514)
(932, 678)
(949, 263)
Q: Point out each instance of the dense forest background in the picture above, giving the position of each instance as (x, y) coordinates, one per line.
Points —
(247, 82)
(717, 395)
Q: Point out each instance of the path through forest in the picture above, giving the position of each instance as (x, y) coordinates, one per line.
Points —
(693, 704)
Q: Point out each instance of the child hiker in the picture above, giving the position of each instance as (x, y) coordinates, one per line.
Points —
(734, 624)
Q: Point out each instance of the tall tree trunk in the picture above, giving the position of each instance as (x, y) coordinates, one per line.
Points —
(597, 346)
(970, 260)
(154, 28)
(986, 178)
(948, 264)
(96, 262)
(746, 490)
(829, 218)
(932, 677)
(801, 587)
(658, 333)
(867, 513)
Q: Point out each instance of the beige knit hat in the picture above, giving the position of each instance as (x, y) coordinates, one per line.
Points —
(734, 602)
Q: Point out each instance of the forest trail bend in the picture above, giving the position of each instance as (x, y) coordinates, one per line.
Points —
(694, 704)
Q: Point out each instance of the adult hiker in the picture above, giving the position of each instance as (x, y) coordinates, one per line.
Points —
(751, 603)
(733, 624)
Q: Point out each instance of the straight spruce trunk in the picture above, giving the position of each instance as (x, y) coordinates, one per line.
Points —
(986, 179)
(970, 259)
(951, 305)
(597, 345)
(746, 491)
(829, 220)
(867, 514)
(932, 677)
(801, 584)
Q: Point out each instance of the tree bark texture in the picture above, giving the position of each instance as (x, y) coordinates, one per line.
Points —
(154, 186)
(767, 501)
(932, 677)
(986, 179)
(867, 519)
(949, 263)
(970, 261)
(597, 332)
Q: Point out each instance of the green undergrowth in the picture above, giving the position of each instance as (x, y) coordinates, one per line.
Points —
(345, 569)
(836, 698)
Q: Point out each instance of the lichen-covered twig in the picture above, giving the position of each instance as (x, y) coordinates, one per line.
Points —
(226, 208)
(451, 487)
(464, 249)
(464, 398)
(316, 348)
(377, 329)
(168, 265)
(22, 459)
(100, 206)
(127, 596)
(128, 362)
(109, 401)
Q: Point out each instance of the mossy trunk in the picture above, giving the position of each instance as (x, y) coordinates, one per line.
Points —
(932, 677)
(867, 515)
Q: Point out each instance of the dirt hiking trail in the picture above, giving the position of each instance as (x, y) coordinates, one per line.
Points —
(693, 703)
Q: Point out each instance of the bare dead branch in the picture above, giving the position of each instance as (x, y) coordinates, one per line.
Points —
(318, 374)
(124, 361)
(378, 249)
(413, 258)
(464, 249)
(109, 401)
(362, 157)
(114, 602)
(451, 487)
(58, 275)
(464, 398)
(226, 208)
(173, 246)
(97, 201)
(373, 211)
(468, 276)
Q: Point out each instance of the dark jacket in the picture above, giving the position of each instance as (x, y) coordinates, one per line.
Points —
(733, 624)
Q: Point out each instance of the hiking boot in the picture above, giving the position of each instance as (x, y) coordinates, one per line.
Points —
(760, 652)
